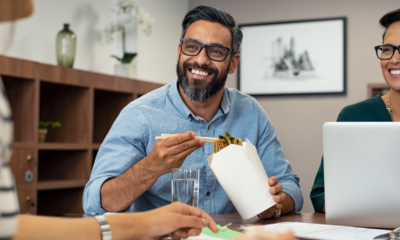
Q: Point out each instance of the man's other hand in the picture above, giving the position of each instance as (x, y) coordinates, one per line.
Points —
(283, 201)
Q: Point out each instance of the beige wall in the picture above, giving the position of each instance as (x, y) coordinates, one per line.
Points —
(298, 120)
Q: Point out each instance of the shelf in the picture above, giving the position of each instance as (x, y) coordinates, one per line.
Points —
(377, 88)
(86, 104)
(63, 146)
(65, 184)
(63, 165)
(69, 105)
(19, 92)
(18, 67)
(96, 146)
(60, 202)
(18, 145)
(107, 106)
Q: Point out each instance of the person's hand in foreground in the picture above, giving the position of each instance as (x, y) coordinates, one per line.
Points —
(176, 220)
(284, 202)
(259, 234)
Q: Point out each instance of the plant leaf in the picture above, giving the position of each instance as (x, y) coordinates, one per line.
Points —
(42, 125)
(128, 57)
(56, 124)
(116, 57)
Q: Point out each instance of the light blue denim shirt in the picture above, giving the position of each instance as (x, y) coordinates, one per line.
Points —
(132, 136)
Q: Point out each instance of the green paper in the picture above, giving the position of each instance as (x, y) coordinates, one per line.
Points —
(223, 234)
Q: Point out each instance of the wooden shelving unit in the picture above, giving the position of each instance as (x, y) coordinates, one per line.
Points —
(377, 88)
(51, 176)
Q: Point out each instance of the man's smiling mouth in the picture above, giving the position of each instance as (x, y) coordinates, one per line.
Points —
(199, 72)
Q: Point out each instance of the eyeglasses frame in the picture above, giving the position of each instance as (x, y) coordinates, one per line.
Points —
(389, 45)
(206, 47)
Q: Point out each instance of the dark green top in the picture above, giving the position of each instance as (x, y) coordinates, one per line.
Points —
(370, 110)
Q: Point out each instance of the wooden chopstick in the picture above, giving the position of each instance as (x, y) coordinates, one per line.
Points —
(206, 139)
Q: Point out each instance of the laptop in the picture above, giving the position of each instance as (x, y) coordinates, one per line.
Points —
(362, 173)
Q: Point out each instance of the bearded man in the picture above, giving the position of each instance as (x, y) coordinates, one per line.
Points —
(131, 171)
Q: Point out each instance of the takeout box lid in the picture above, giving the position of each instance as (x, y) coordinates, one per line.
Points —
(241, 174)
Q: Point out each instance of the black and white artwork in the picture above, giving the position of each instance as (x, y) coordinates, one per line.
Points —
(297, 57)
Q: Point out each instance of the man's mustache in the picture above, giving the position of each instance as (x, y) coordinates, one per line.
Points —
(187, 65)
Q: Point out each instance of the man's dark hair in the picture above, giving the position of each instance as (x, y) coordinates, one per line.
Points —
(213, 14)
(388, 19)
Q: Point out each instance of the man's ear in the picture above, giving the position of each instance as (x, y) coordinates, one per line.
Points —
(234, 63)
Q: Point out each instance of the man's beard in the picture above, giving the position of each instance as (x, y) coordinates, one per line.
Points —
(195, 90)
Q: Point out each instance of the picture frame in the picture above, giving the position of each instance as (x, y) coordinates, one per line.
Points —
(304, 57)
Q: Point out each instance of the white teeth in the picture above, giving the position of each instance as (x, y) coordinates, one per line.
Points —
(395, 72)
(198, 72)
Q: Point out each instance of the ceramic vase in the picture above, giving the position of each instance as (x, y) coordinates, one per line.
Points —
(127, 70)
(65, 47)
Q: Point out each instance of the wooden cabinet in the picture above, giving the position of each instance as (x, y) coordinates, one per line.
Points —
(27, 202)
(51, 176)
(23, 165)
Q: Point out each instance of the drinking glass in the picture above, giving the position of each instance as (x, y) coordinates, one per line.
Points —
(185, 186)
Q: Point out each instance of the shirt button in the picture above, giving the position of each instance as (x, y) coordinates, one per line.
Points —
(208, 193)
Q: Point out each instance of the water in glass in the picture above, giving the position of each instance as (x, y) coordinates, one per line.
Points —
(185, 191)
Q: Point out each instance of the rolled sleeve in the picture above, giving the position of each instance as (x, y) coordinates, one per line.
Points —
(120, 150)
(92, 198)
(295, 193)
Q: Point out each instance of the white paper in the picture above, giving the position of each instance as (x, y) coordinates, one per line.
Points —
(323, 231)
(240, 172)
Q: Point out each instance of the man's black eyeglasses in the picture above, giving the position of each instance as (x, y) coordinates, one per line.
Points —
(386, 52)
(214, 52)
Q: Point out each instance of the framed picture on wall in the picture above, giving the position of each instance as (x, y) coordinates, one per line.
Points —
(293, 58)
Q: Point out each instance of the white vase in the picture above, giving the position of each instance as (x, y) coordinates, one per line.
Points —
(125, 70)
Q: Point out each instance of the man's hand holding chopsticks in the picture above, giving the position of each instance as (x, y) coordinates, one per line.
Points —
(171, 152)
(117, 194)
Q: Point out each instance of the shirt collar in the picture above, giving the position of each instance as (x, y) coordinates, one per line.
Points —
(183, 109)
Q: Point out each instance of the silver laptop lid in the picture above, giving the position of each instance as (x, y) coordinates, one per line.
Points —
(362, 173)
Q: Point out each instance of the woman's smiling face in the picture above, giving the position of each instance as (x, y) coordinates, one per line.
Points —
(391, 67)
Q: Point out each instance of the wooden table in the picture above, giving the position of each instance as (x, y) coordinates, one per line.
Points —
(236, 220)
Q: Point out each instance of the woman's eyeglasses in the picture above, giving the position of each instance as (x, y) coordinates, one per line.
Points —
(386, 52)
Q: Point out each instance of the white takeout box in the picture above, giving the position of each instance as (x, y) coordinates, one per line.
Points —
(241, 174)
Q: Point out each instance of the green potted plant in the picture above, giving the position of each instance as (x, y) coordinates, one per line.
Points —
(43, 128)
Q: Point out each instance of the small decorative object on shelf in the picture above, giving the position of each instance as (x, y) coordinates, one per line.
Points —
(128, 16)
(43, 129)
(65, 47)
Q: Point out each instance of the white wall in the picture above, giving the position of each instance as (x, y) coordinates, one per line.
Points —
(35, 36)
(158, 52)
(298, 120)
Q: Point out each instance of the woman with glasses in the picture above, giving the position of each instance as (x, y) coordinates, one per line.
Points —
(379, 108)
